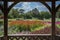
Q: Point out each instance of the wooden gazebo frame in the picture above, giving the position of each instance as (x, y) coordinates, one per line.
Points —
(6, 10)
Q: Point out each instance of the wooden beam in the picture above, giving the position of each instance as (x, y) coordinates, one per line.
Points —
(5, 20)
(57, 8)
(53, 19)
(28, 0)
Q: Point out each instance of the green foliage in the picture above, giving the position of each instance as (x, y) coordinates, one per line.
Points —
(28, 16)
(45, 15)
(1, 4)
(14, 13)
(1, 23)
(21, 11)
(1, 33)
(1, 27)
(58, 25)
(36, 27)
(20, 28)
(58, 14)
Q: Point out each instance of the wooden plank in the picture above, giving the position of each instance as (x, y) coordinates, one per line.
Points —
(29, 34)
(53, 19)
(28, 0)
(5, 20)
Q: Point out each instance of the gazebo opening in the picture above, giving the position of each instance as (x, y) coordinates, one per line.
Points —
(29, 18)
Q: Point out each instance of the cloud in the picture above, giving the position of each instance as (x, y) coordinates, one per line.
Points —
(27, 6)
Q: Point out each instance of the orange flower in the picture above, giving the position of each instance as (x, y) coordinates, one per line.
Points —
(26, 23)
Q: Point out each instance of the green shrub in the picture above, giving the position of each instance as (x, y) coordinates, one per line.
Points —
(1, 23)
(19, 28)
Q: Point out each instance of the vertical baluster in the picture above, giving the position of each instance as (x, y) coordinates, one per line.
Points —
(18, 38)
(12, 38)
(29, 38)
(41, 38)
(23, 38)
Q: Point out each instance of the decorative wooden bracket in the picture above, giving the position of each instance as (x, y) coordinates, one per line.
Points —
(57, 7)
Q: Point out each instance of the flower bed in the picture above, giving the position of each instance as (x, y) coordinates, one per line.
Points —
(27, 25)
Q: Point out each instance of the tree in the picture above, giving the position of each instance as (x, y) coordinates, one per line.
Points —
(42, 15)
(1, 13)
(58, 14)
(45, 15)
(1, 4)
(13, 13)
(28, 16)
(21, 11)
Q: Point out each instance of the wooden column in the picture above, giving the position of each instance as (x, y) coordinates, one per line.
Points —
(53, 19)
(5, 19)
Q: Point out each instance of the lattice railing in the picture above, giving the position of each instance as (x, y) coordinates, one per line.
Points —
(30, 37)
(1, 38)
(58, 37)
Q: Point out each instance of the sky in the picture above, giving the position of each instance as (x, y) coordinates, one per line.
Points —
(27, 6)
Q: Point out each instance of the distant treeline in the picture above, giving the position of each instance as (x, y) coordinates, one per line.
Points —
(15, 13)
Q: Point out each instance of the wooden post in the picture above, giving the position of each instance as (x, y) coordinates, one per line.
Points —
(53, 20)
(5, 20)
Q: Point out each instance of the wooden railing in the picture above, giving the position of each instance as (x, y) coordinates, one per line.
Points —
(1, 38)
(57, 37)
(30, 37)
